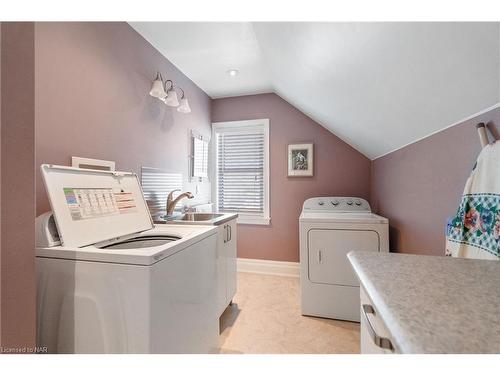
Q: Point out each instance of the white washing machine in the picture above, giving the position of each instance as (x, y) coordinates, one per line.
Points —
(331, 227)
(109, 281)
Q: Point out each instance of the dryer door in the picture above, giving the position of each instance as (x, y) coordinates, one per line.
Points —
(327, 252)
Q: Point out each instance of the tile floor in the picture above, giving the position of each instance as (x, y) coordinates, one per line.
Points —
(265, 319)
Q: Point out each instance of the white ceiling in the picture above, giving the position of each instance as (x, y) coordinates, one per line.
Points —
(378, 86)
(205, 51)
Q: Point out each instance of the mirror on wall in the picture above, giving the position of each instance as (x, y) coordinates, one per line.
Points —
(199, 156)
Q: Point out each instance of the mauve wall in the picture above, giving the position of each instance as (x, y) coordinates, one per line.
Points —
(419, 186)
(0, 182)
(338, 170)
(17, 198)
(92, 85)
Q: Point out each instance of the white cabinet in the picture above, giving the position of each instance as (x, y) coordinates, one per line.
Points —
(375, 338)
(226, 264)
(231, 254)
(221, 269)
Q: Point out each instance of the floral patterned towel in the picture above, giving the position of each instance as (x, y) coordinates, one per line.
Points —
(475, 230)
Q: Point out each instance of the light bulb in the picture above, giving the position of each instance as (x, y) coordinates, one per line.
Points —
(171, 99)
(157, 89)
(184, 107)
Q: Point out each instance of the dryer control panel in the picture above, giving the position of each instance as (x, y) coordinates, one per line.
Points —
(336, 204)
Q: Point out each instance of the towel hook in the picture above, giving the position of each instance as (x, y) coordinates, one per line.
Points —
(483, 136)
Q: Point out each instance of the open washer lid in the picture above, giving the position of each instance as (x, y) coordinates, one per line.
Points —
(92, 206)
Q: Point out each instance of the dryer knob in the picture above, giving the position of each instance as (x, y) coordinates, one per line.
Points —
(321, 203)
(358, 203)
(335, 203)
(349, 203)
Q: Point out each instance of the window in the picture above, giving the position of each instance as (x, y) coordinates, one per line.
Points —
(241, 169)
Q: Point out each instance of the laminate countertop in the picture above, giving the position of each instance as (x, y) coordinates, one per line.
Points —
(433, 304)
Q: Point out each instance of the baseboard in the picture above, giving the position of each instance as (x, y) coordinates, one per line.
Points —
(268, 267)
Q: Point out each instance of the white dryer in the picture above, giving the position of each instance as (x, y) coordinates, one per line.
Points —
(110, 281)
(331, 227)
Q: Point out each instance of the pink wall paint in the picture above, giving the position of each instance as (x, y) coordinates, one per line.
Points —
(92, 100)
(339, 170)
(17, 195)
(419, 186)
(0, 183)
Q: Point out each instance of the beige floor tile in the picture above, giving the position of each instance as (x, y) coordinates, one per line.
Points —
(265, 319)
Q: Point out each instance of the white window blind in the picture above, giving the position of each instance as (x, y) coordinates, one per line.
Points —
(241, 154)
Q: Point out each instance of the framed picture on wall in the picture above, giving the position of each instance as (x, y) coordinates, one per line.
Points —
(300, 160)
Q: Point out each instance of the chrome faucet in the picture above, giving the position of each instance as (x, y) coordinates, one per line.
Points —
(171, 202)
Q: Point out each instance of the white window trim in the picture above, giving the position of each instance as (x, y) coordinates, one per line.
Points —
(227, 127)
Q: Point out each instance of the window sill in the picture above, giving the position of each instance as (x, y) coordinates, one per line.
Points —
(245, 220)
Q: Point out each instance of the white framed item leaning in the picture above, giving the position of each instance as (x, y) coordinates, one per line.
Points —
(300, 160)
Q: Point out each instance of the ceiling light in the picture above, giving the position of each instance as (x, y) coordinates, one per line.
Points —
(233, 72)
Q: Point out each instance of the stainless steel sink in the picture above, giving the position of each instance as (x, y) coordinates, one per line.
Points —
(199, 216)
(196, 218)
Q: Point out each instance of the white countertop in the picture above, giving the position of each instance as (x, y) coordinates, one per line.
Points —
(434, 304)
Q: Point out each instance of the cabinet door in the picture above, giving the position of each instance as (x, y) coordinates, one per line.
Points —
(231, 255)
(221, 268)
(376, 325)
(327, 250)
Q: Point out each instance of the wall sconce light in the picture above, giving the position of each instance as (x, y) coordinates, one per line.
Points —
(168, 95)
(171, 99)
(157, 89)
(184, 107)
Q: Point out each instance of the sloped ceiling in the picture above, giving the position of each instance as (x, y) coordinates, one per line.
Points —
(378, 86)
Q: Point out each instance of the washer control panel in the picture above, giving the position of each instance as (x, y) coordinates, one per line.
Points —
(337, 204)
